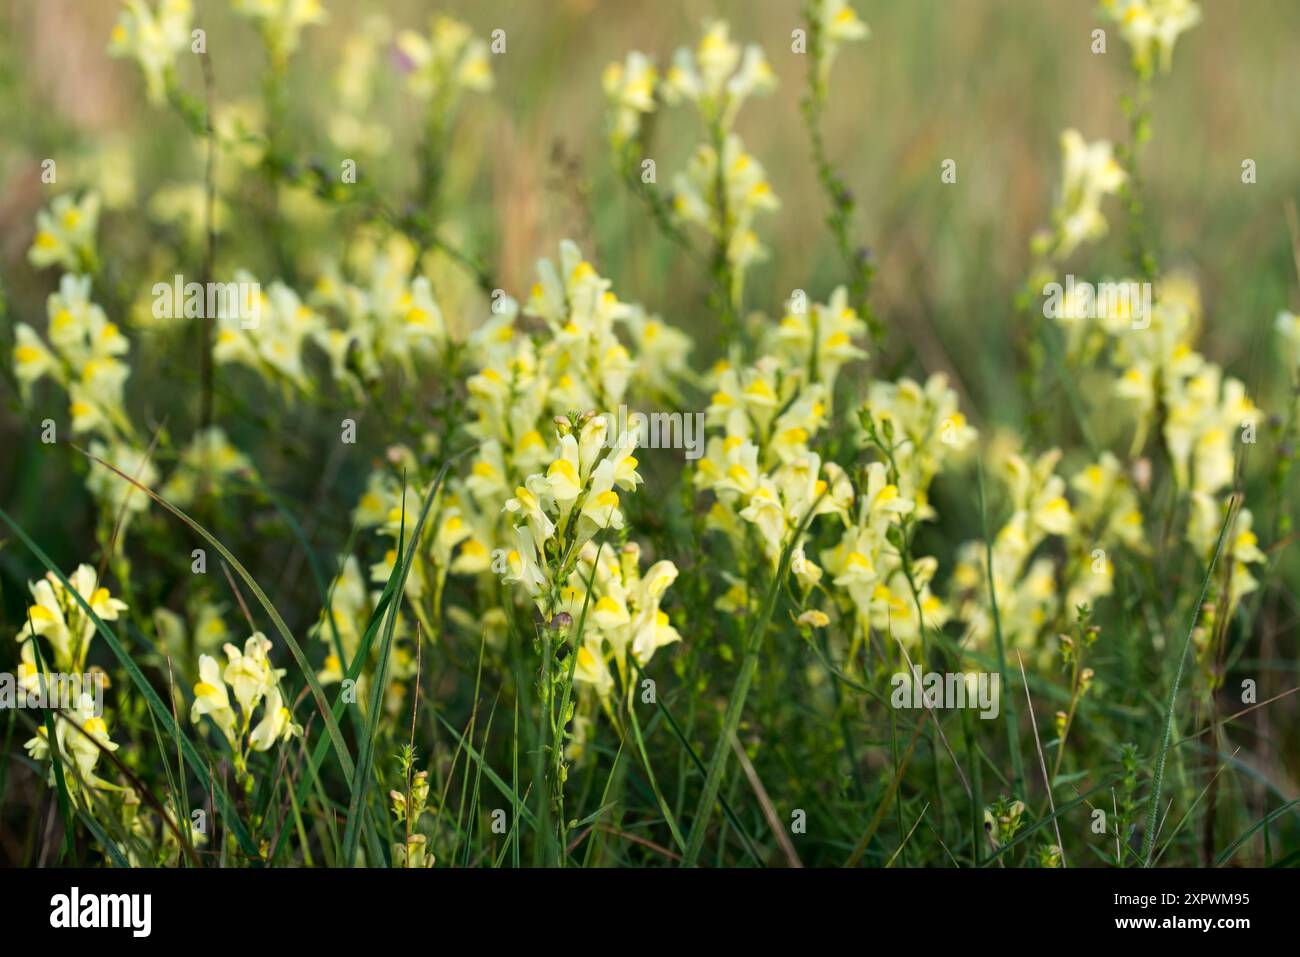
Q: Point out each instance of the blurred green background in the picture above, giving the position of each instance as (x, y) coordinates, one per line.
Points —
(988, 83)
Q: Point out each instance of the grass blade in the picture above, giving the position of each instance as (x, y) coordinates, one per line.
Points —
(736, 704)
(1009, 700)
(1166, 737)
(366, 750)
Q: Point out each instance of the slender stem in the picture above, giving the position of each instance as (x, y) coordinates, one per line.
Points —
(857, 259)
(1013, 719)
(206, 365)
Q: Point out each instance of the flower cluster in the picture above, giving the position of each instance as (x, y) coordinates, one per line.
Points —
(252, 681)
(1203, 416)
(209, 462)
(524, 510)
(500, 524)
(445, 64)
(273, 345)
(281, 22)
(559, 510)
(768, 483)
(723, 187)
(1090, 173)
(917, 431)
(408, 806)
(59, 618)
(81, 736)
(1031, 593)
(622, 612)
(1151, 27)
(354, 84)
(65, 234)
(834, 23)
(152, 37)
(84, 357)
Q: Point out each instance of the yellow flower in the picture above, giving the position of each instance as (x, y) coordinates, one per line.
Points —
(814, 619)
(277, 724)
(249, 673)
(1152, 27)
(79, 750)
(630, 89)
(1090, 172)
(591, 669)
(253, 682)
(58, 616)
(211, 699)
(838, 23)
(529, 501)
(32, 360)
(282, 22)
(601, 507)
(447, 62)
(65, 233)
(152, 37)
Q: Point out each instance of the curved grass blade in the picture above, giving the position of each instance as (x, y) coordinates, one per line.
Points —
(352, 672)
(318, 693)
(676, 729)
(522, 810)
(736, 704)
(56, 759)
(861, 847)
(356, 804)
(1226, 854)
(1166, 737)
(1009, 700)
(366, 750)
(654, 784)
(105, 841)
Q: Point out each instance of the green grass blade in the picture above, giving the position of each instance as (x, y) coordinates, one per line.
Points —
(366, 752)
(65, 803)
(654, 784)
(1226, 854)
(699, 766)
(521, 809)
(1009, 700)
(1166, 736)
(736, 704)
(377, 618)
(113, 851)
